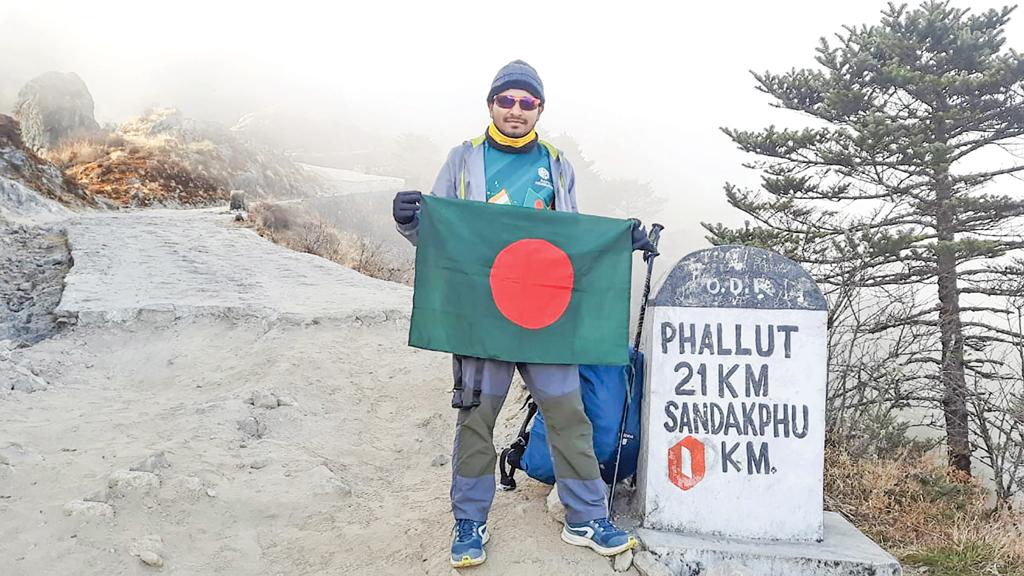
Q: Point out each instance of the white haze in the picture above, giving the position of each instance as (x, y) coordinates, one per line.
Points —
(643, 86)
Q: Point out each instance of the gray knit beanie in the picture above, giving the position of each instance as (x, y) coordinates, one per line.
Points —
(517, 74)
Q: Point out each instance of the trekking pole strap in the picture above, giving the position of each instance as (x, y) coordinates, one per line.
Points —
(508, 472)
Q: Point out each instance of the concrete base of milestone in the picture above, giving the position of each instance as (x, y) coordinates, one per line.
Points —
(845, 551)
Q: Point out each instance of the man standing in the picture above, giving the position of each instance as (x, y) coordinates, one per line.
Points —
(509, 164)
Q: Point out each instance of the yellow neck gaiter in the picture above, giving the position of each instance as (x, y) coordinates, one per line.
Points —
(500, 138)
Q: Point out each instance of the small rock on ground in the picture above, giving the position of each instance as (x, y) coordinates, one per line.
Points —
(124, 482)
(85, 508)
(647, 565)
(150, 543)
(19, 378)
(439, 460)
(259, 463)
(623, 561)
(263, 399)
(152, 463)
(252, 427)
(151, 559)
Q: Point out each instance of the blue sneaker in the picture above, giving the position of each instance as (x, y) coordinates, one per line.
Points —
(599, 535)
(468, 539)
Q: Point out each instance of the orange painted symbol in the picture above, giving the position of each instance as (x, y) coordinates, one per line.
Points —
(676, 474)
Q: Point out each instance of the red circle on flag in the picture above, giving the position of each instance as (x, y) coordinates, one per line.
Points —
(531, 283)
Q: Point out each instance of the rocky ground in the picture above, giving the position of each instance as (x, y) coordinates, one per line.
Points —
(227, 406)
(33, 262)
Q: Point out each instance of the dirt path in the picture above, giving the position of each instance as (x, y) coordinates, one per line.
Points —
(174, 264)
(344, 471)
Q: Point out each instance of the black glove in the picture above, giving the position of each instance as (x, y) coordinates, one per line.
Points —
(641, 241)
(406, 205)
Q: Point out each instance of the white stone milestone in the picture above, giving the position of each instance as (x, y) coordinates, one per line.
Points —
(734, 412)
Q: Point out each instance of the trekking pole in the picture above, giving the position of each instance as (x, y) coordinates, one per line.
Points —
(654, 236)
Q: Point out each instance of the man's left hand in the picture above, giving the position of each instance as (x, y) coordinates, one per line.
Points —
(641, 241)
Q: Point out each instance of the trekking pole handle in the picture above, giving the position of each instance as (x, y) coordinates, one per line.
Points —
(655, 234)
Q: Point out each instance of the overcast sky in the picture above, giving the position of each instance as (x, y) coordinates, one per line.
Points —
(642, 86)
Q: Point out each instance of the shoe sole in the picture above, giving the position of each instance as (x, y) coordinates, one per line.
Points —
(467, 562)
(583, 541)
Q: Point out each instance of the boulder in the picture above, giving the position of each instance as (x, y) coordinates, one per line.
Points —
(238, 201)
(52, 107)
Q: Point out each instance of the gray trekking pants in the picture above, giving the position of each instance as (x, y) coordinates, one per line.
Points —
(556, 389)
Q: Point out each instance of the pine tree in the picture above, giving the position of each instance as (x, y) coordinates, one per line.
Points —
(912, 118)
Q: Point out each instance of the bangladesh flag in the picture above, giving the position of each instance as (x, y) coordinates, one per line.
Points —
(521, 285)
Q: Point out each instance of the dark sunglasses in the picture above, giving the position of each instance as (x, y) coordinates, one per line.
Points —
(526, 103)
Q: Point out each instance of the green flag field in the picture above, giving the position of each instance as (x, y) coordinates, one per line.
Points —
(521, 285)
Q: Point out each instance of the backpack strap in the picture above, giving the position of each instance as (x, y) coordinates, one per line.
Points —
(551, 149)
(474, 143)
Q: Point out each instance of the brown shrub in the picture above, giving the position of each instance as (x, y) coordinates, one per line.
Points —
(924, 513)
(319, 238)
(301, 230)
(273, 217)
(371, 259)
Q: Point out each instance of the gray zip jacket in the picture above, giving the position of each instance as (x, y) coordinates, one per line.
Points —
(463, 176)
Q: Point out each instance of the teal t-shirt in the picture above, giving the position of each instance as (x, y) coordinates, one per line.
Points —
(522, 179)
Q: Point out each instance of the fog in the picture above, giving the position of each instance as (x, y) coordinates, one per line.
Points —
(643, 87)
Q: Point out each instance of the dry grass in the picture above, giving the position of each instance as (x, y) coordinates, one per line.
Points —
(84, 149)
(111, 166)
(924, 514)
(301, 230)
(146, 177)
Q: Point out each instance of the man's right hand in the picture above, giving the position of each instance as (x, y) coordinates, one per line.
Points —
(641, 241)
(406, 205)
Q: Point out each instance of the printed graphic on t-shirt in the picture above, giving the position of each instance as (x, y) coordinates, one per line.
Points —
(543, 179)
(500, 198)
(534, 200)
(519, 179)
